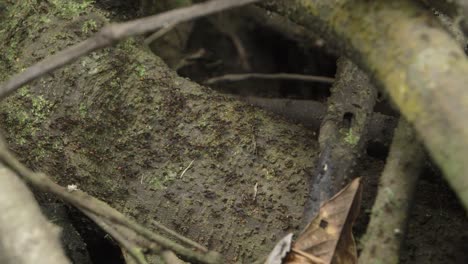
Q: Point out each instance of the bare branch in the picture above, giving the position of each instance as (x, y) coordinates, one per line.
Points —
(132, 249)
(406, 51)
(113, 33)
(396, 189)
(272, 76)
(183, 239)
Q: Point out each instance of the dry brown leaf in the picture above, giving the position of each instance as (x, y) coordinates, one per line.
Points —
(328, 238)
(282, 248)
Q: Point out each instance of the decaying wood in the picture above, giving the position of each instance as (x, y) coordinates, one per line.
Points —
(140, 105)
(342, 134)
(112, 33)
(406, 51)
(387, 227)
(283, 26)
(123, 127)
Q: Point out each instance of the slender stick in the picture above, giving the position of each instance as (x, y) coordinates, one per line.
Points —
(183, 239)
(156, 35)
(267, 76)
(112, 33)
(130, 247)
(387, 226)
(83, 201)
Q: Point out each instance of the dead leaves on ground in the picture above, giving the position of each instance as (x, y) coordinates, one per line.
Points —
(328, 238)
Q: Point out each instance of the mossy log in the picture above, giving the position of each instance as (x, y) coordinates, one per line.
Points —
(343, 135)
(456, 9)
(124, 127)
(407, 52)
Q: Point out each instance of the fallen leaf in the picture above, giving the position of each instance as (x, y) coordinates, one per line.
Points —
(280, 251)
(328, 238)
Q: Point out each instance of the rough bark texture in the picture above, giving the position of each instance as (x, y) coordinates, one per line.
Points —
(456, 9)
(26, 237)
(342, 135)
(311, 113)
(123, 127)
(408, 53)
(387, 228)
(170, 45)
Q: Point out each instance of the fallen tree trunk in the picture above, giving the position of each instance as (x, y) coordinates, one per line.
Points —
(408, 53)
(122, 126)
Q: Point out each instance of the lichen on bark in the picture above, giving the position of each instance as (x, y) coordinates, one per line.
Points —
(407, 52)
(123, 127)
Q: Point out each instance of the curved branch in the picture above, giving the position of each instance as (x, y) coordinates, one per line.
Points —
(112, 33)
(409, 54)
(25, 235)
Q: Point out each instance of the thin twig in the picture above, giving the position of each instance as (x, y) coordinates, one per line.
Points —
(190, 59)
(285, 27)
(241, 51)
(156, 35)
(130, 247)
(255, 191)
(225, 26)
(268, 76)
(83, 201)
(183, 239)
(186, 169)
(394, 198)
(112, 33)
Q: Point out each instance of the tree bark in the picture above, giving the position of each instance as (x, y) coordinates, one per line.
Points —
(456, 9)
(342, 135)
(122, 126)
(26, 237)
(408, 53)
(387, 227)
